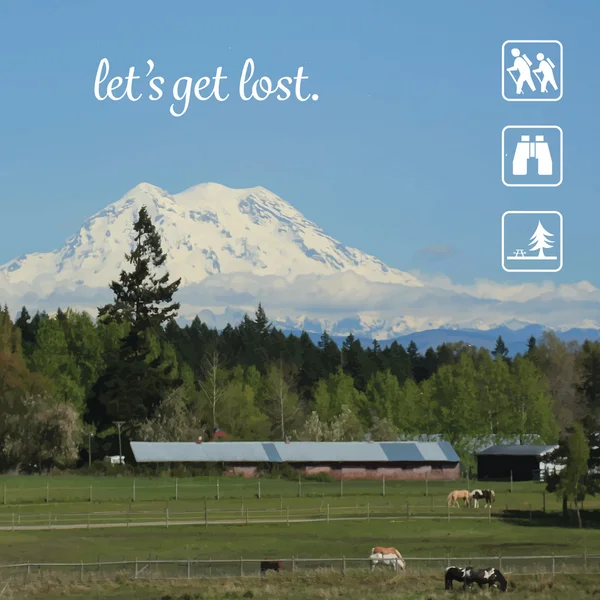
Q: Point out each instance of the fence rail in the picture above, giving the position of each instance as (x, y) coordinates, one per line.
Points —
(242, 516)
(132, 490)
(243, 567)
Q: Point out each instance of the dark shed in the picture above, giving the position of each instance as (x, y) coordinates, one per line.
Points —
(524, 462)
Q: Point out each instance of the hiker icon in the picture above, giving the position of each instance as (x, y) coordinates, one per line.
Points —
(522, 80)
(546, 69)
(523, 65)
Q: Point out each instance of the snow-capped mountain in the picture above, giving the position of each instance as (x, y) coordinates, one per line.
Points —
(234, 248)
(206, 230)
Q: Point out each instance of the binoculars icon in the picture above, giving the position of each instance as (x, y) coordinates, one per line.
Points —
(526, 150)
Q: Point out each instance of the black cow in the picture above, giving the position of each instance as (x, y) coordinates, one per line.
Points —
(271, 565)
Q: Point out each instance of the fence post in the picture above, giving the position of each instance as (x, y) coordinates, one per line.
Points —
(133, 491)
(344, 565)
(368, 512)
(88, 516)
(47, 492)
(490, 513)
(448, 512)
(293, 564)
(50, 520)
(553, 565)
(4, 493)
(205, 513)
(210, 567)
(585, 559)
(91, 496)
(383, 486)
(259, 489)
(13, 522)
(500, 562)
(81, 570)
(167, 517)
(407, 511)
(328, 512)
(288, 516)
(511, 482)
(426, 484)
(544, 500)
(342, 484)
(241, 567)
(218, 490)
(189, 568)
(136, 568)
(176, 488)
(247, 515)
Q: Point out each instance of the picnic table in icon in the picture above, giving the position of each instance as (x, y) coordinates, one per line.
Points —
(519, 252)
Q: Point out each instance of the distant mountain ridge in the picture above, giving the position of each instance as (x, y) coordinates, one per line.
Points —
(234, 248)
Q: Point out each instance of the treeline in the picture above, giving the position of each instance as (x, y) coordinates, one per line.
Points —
(66, 376)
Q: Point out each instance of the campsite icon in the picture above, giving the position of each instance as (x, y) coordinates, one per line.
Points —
(532, 70)
(532, 241)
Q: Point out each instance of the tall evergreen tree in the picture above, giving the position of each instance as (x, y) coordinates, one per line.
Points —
(133, 386)
(500, 351)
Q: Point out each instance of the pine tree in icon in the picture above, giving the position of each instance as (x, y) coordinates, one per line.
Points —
(540, 242)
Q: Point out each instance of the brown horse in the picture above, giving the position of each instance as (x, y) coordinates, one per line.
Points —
(456, 495)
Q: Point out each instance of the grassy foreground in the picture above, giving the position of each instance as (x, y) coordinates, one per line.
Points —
(322, 586)
(425, 538)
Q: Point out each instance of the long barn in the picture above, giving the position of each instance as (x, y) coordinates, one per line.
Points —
(347, 460)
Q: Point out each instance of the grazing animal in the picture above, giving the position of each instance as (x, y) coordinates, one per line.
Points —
(454, 574)
(392, 559)
(456, 495)
(490, 576)
(488, 495)
(384, 550)
(271, 565)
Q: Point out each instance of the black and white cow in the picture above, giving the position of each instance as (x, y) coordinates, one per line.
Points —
(469, 576)
(488, 495)
(481, 577)
(455, 574)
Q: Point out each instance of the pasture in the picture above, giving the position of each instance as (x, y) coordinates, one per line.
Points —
(413, 516)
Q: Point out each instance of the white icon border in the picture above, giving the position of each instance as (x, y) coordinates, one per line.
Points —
(534, 212)
(561, 156)
(561, 71)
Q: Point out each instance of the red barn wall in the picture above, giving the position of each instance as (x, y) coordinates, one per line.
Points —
(400, 472)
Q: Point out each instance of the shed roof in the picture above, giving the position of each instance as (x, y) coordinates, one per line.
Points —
(302, 452)
(517, 450)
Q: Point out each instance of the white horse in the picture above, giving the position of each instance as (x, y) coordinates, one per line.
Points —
(387, 559)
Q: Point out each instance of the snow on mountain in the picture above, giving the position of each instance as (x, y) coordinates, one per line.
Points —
(234, 248)
(206, 230)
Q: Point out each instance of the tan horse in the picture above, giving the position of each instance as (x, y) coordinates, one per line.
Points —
(387, 556)
(384, 550)
(456, 495)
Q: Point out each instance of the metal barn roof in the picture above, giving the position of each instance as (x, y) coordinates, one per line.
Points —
(302, 452)
(517, 450)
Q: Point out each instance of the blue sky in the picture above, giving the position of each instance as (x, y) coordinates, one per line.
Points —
(400, 156)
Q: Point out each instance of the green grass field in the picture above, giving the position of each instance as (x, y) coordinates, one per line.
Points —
(507, 534)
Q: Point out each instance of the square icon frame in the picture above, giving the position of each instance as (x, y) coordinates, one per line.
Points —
(503, 74)
(561, 155)
(534, 212)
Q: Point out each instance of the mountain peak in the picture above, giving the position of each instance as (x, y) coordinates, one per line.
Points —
(206, 230)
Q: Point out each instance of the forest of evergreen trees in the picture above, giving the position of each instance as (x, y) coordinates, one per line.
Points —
(66, 376)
